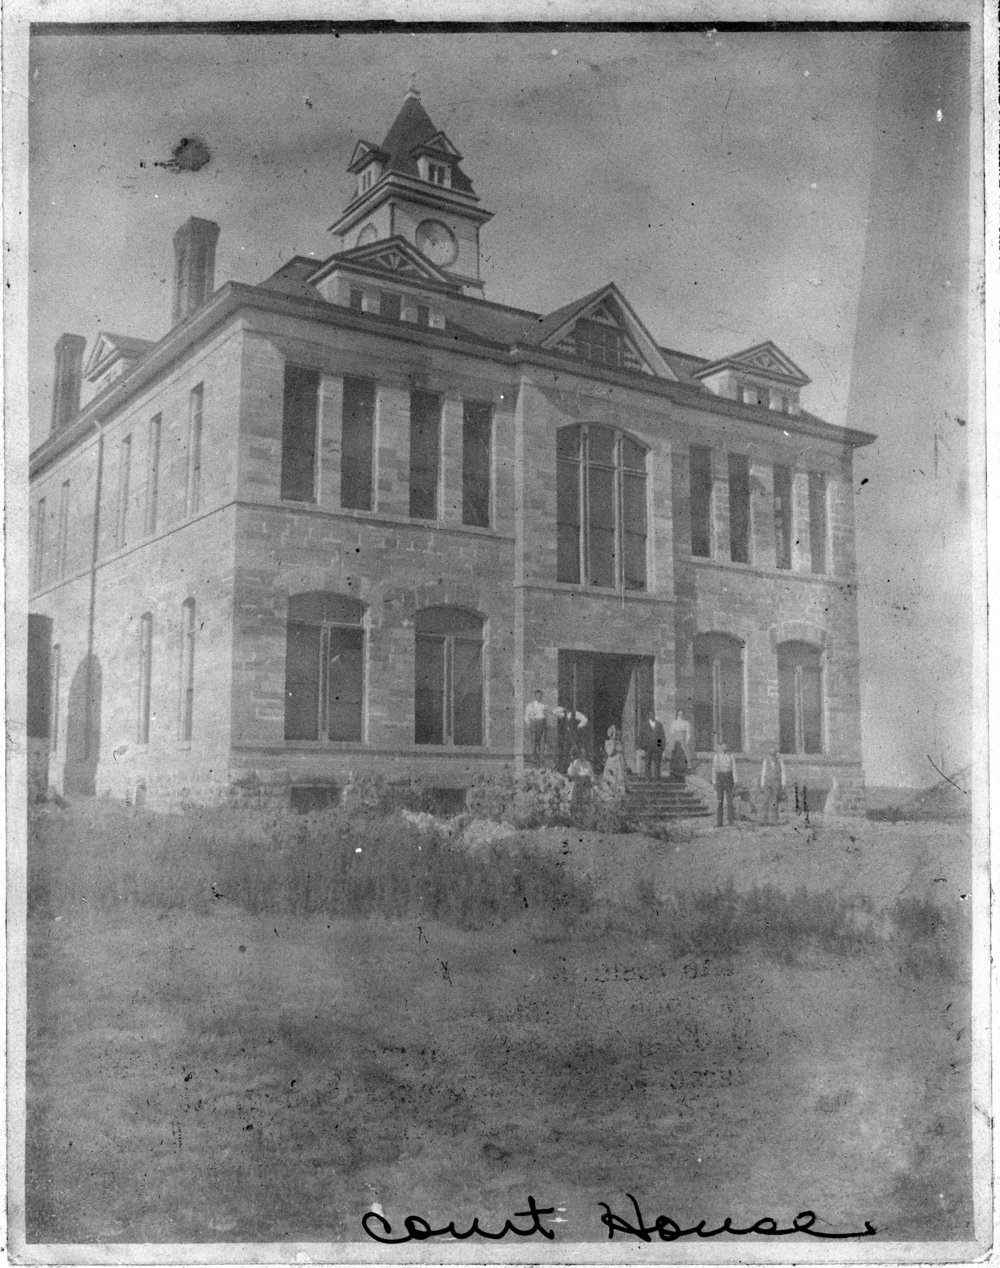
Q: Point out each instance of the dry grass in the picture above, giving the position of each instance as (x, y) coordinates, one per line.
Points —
(206, 1069)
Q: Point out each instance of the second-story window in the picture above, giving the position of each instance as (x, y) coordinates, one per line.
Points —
(124, 476)
(38, 571)
(739, 508)
(783, 517)
(817, 521)
(153, 474)
(600, 508)
(195, 403)
(63, 542)
(438, 174)
(425, 454)
(701, 501)
(477, 429)
(391, 305)
(357, 449)
(298, 434)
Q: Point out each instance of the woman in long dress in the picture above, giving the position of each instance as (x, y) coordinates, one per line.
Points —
(613, 778)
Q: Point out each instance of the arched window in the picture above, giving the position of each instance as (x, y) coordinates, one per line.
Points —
(718, 691)
(324, 667)
(800, 698)
(600, 507)
(448, 703)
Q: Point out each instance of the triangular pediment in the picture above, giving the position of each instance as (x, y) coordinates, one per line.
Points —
(393, 256)
(364, 152)
(438, 144)
(574, 330)
(109, 348)
(764, 360)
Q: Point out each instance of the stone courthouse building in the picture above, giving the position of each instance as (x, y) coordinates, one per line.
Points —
(349, 519)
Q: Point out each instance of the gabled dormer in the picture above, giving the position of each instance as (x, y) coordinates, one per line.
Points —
(368, 163)
(762, 375)
(436, 160)
(112, 356)
(412, 186)
(389, 278)
(602, 328)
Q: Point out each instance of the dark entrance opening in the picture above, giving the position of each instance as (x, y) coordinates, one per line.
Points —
(610, 691)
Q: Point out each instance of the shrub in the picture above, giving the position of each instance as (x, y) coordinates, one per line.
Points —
(533, 799)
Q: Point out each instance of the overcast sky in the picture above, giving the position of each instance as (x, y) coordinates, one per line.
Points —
(805, 187)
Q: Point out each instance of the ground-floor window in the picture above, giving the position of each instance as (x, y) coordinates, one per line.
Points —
(800, 698)
(324, 667)
(448, 689)
(188, 625)
(718, 691)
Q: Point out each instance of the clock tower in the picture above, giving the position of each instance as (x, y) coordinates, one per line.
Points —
(412, 187)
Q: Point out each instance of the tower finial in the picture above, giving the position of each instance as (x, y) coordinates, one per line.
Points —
(412, 90)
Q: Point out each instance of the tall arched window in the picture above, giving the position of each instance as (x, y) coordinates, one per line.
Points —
(800, 698)
(448, 703)
(600, 507)
(718, 691)
(324, 667)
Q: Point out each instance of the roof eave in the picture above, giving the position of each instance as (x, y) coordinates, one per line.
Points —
(413, 189)
(698, 398)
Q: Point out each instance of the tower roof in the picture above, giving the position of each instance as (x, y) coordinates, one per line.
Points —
(413, 131)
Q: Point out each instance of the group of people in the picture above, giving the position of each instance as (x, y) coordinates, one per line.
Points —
(651, 745)
(773, 781)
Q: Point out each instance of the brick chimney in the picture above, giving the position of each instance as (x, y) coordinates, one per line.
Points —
(194, 265)
(68, 378)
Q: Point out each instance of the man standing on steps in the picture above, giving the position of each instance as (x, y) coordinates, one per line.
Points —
(724, 778)
(680, 733)
(534, 716)
(654, 741)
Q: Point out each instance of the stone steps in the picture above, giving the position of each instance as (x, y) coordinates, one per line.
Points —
(651, 800)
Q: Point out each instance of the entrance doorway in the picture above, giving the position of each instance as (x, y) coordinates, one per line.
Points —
(610, 691)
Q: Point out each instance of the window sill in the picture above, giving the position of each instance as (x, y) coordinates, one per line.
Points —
(760, 571)
(326, 746)
(451, 750)
(599, 592)
(377, 517)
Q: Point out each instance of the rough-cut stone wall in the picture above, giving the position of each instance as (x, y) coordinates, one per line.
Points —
(245, 551)
(393, 564)
(96, 628)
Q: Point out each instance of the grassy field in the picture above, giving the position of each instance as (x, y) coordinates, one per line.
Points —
(740, 1023)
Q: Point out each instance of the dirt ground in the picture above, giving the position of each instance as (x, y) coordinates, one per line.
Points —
(221, 1076)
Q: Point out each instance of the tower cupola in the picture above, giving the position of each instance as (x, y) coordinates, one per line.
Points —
(412, 187)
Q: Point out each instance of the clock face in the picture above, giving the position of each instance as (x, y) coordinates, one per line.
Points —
(437, 242)
(368, 234)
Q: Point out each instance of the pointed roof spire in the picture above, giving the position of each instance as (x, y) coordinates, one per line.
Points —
(411, 129)
(412, 90)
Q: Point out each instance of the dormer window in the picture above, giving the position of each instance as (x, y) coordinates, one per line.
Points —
(367, 178)
(751, 395)
(598, 343)
(435, 172)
